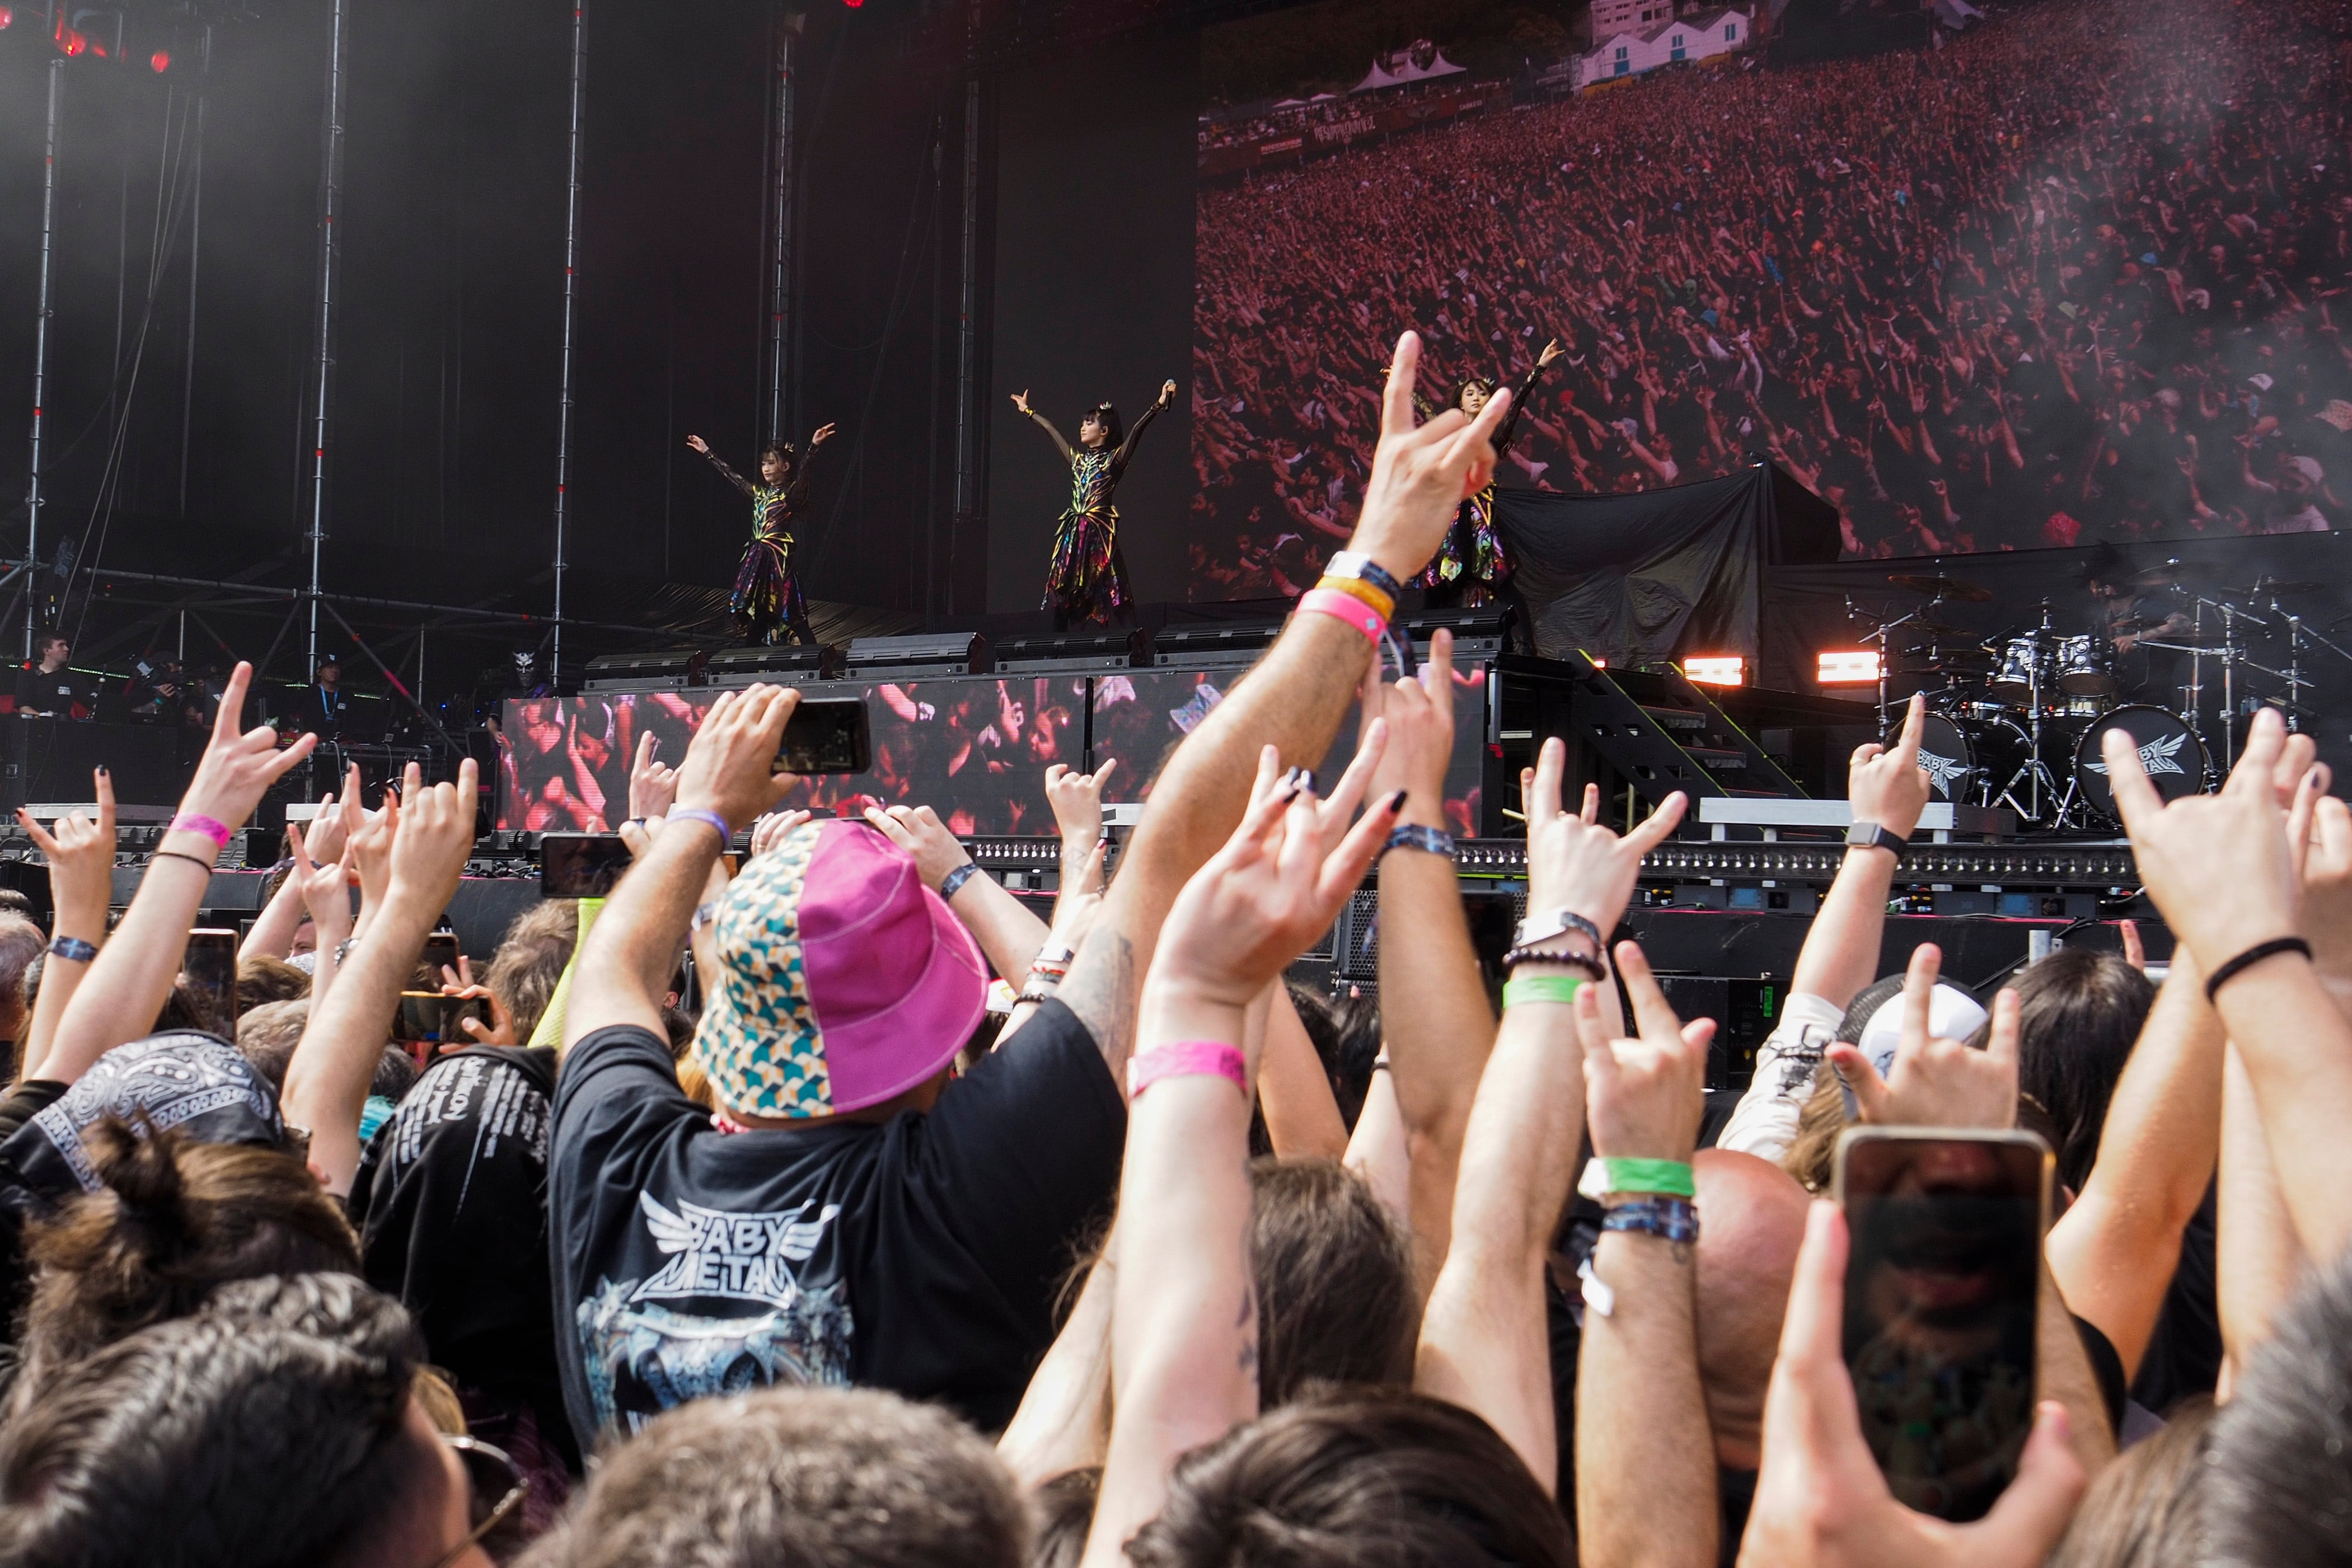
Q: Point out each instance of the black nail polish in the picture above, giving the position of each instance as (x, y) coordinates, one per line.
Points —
(103, 771)
(1396, 801)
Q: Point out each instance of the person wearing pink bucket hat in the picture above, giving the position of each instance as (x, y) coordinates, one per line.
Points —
(849, 1215)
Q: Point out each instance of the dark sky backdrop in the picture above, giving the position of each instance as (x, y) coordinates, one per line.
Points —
(444, 460)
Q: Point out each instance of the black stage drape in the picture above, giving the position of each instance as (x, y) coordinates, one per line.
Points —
(1660, 574)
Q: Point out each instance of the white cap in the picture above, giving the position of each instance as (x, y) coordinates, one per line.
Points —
(1952, 1014)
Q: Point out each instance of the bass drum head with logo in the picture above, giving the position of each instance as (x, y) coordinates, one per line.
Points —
(2169, 750)
(1949, 760)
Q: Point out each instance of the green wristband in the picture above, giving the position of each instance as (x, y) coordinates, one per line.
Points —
(1541, 989)
(1670, 1179)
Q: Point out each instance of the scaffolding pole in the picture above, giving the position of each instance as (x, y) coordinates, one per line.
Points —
(41, 343)
(967, 459)
(330, 253)
(196, 254)
(570, 305)
(779, 284)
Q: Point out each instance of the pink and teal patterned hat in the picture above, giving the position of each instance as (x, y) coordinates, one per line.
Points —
(842, 981)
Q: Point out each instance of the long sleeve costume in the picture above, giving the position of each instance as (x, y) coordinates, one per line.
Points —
(1472, 548)
(767, 599)
(1085, 578)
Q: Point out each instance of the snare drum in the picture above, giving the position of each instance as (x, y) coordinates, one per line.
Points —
(2085, 666)
(2169, 750)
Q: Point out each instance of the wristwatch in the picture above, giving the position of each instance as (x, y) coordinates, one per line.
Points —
(1541, 925)
(1871, 836)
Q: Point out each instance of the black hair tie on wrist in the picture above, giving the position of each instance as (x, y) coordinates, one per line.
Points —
(2251, 957)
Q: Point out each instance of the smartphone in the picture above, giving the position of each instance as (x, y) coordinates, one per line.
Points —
(430, 1016)
(441, 952)
(1941, 1284)
(827, 737)
(580, 865)
(210, 967)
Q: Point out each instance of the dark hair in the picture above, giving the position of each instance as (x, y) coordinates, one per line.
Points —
(240, 1443)
(262, 979)
(21, 942)
(1461, 389)
(814, 1477)
(1363, 1476)
(1336, 1302)
(2278, 1480)
(1114, 428)
(1346, 1031)
(174, 1220)
(1064, 1507)
(2079, 1013)
(783, 452)
(49, 639)
(528, 964)
(394, 1075)
(2146, 1509)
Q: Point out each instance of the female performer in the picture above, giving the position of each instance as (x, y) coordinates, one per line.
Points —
(1086, 580)
(767, 598)
(1470, 565)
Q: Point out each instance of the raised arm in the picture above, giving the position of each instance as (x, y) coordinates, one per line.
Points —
(1645, 1482)
(2114, 1252)
(1010, 936)
(1128, 448)
(1021, 401)
(80, 853)
(719, 463)
(1841, 952)
(621, 969)
(1184, 1329)
(327, 1081)
(1293, 700)
(133, 973)
(1520, 394)
(1294, 1093)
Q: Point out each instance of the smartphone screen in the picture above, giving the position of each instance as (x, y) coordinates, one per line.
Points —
(1940, 1289)
(580, 865)
(434, 1019)
(827, 737)
(441, 952)
(210, 967)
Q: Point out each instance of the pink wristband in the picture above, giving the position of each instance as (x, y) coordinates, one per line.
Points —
(196, 822)
(1187, 1059)
(1345, 607)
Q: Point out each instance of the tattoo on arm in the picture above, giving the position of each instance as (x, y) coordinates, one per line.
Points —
(1101, 992)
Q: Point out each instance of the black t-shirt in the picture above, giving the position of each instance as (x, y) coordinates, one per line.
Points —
(451, 1203)
(2184, 1354)
(58, 692)
(920, 1255)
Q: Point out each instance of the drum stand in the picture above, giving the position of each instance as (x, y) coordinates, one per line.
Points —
(2033, 772)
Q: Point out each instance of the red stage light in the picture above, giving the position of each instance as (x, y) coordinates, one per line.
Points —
(7, 16)
(160, 60)
(853, 5)
(73, 42)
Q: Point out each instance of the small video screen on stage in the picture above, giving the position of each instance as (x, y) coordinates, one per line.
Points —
(973, 749)
(1983, 277)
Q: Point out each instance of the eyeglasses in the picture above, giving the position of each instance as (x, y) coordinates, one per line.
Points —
(489, 1473)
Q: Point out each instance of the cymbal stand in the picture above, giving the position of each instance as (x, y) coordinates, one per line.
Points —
(2035, 772)
(1885, 645)
(2231, 656)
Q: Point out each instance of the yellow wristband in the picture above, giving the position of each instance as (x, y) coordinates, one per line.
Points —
(1357, 588)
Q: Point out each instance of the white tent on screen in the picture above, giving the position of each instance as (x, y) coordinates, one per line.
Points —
(1418, 61)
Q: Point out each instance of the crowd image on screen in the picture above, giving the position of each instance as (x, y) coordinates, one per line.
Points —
(2071, 275)
(812, 1197)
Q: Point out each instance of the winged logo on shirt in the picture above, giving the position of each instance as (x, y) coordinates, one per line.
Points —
(748, 1257)
(2158, 756)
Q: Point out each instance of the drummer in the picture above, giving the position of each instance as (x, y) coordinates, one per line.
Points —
(2134, 606)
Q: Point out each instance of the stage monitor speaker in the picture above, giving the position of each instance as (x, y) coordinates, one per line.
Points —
(1213, 640)
(1055, 652)
(734, 666)
(1476, 631)
(677, 667)
(925, 657)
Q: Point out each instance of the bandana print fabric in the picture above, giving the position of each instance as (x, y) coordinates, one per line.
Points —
(194, 1081)
(760, 1042)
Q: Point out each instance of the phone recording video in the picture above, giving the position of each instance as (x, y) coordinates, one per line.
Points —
(827, 737)
(209, 967)
(440, 952)
(1941, 1284)
(431, 1018)
(580, 865)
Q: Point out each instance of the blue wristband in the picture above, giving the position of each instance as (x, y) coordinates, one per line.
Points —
(1415, 836)
(1668, 1218)
(697, 814)
(73, 949)
(952, 884)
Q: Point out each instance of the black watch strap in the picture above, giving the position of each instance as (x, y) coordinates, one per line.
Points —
(1872, 836)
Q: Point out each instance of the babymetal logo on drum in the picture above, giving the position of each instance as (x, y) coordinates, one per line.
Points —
(1944, 771)
(2156, 757)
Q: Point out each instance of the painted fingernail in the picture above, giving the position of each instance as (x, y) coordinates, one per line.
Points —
(103, 771)
(1396, 801)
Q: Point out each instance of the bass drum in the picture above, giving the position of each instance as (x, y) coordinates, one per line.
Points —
(1968, 759)
(2169, 750)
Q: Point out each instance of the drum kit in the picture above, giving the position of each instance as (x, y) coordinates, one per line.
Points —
(2018, 720)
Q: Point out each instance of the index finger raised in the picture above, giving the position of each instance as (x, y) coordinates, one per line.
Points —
(1396, 398)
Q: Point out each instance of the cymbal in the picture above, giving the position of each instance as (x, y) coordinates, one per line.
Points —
(1957, 588)
(2157, 576)
(2261, 585)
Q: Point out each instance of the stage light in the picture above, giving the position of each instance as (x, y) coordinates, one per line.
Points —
(73, 42)
(1715, 670)
(160, 60)
(6, 17)
(1847, 667)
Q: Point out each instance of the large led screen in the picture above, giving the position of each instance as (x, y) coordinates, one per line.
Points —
(2002, 276)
